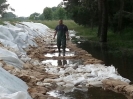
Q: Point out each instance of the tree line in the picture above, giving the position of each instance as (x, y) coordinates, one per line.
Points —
(53, 13)
(3, 6)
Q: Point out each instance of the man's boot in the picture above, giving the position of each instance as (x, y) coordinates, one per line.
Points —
(59, 49)
(63, 51)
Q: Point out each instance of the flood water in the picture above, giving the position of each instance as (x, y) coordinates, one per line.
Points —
(94, 93)
(90, 93)
(123, 62)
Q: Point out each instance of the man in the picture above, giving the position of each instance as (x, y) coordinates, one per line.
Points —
(62, 34)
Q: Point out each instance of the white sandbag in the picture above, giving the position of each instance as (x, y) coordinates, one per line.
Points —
(11, 87)
(3, 36)
(6, 32)
(10, 58)
(10, 44)
(16, 95)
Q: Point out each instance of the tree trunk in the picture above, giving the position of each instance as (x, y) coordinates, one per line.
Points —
(120, 19)
(92, 23)
(100, 17)
(132, 4)
(103, 25)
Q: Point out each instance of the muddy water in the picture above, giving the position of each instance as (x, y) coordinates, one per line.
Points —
(94, 93)
(90, 93)
(62, 62)
(123, 62)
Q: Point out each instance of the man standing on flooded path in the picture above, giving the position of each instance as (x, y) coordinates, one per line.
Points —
(62, 34)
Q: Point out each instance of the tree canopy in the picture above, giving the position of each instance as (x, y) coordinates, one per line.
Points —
(115, 14)
(53, 13)
(3, 6)
(8, 15)
(34, 16)
(47, 12)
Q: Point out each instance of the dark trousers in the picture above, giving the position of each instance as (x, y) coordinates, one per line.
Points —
(61, 42)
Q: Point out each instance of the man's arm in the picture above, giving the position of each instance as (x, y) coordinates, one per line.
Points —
(55, 34)
(67, 33)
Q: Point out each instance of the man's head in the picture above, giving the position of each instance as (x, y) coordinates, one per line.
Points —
(60, 21)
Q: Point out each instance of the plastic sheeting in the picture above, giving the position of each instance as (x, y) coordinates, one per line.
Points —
(10, 58)
(19, 37)
(12, 87)
(16, 38)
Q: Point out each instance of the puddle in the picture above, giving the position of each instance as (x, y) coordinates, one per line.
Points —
(55, 47)
(89, 93)
(56, 54)
(62, 62)
(67, 50)
(94, 93)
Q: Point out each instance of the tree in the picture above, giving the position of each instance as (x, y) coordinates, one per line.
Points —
(47, 12)
(3, 6)
(41, 17)
(84, 12)
(61, 13)
(104, 20)
(54, 13)
(100, 17)
(120, 16)
(8, 15)
(34, 16)
(114, 14)
(103, 24)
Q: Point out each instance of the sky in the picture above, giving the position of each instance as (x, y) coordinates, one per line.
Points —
(23, 8)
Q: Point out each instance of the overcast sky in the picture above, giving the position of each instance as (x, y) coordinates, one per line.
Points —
(27, 7)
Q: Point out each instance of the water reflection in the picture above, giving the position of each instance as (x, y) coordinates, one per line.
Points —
(59, 54)
(61, 62)
(123, 62)
(90, 93)
(94, 93)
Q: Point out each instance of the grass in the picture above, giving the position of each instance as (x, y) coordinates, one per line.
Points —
(52, 24)
(1, 22)
(11, 21)
(121, 41)
(115, 41)
(84, 31)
